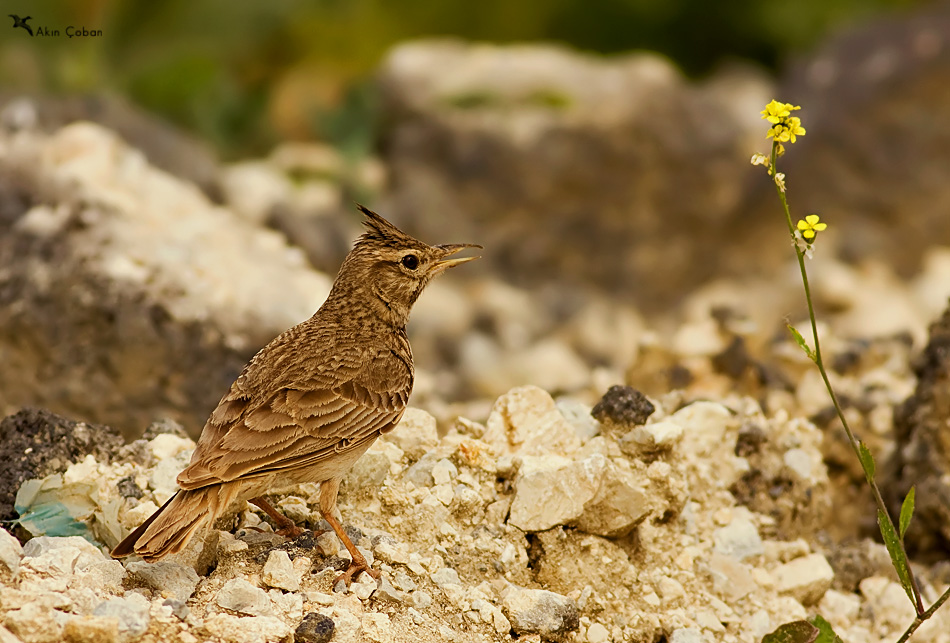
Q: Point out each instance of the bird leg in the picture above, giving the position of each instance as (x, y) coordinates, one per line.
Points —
(285, 526)
(328, 491)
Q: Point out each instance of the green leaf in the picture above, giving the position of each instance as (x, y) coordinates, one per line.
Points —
(794, 632)
(827, 634)
(801, 342)
(896, 552)
(907, 511)
(867, 461)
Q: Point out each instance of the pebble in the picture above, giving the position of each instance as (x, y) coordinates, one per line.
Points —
(91, 629)
(386, 592)
(526, 420)
(279, 571)
(538, 611)
(131, 610)
(553, 490)
(166, 577)
(656, 436)
(10, 551)
(240, 596)
(739, 539)
(416, 433)
(687, 635)
(446, 576)
(246, 629)
(597, 633)
(421, 599)
(363, 587)
(806, 579)
(314, 628)
(444, 472)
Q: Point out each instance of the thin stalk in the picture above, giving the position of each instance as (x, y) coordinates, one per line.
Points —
(919, 606)
(923, 617)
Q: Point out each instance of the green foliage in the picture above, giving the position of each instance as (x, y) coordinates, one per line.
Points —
(907, 511)
(896, 552)
(867, 461)
(827, 633)
(802, 343)
(794, 632)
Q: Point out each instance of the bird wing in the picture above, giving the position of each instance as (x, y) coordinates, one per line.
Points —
(298, 425)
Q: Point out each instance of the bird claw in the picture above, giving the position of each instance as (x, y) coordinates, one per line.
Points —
(352, 573)
(290, 531)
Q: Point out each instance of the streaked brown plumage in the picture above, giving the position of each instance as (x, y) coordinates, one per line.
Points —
(312, 401)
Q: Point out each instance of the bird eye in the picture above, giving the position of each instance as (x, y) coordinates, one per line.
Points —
(410, 261)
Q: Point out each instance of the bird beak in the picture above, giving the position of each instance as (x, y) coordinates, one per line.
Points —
(450, 249)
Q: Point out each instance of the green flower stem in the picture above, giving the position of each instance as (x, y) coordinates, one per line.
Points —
(919, 606)
(924, 616)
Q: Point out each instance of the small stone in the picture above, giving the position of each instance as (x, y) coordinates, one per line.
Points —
(90, 629)
(246, 629)
(420, 473)
(623, 406)
(129, 489)
(314, 628)
(670, 589)
(526, 420)
(446, 576)
(239, 595)
(421, 599)
(132, 611)
(386, 592)
(368, 472)
(618, 506)
(731, 578)
(179, 608)
(415, 433)
(739, 539)
(650, 438)
(10, 551)
(578, 415)
(806, 579)
(328, 544)
(799, 463)
(363, 587)
(166, 576)
(597, 633)
(279, 571)
(553, 490)
(444, 472)
(34, 622)
(839, 608)
(687, 635)
(538, 611)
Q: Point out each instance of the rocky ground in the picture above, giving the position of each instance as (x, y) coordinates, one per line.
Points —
(613, 437)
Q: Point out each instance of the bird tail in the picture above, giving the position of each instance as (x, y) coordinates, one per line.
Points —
(170, 528)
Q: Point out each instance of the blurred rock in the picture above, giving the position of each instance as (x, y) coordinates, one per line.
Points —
(528, 145)
(10, 551)
(538, 611)
(806, 579)
(922, 456)
(120, 280)
(164, 145)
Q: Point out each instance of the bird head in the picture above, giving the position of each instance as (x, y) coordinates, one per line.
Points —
(392, 268)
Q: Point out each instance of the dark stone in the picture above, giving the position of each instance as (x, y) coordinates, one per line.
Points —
(751, 437)
(623, 405)
(129, 489)
(922, 453)
(733, 360)
(35, 443)
(314, 628)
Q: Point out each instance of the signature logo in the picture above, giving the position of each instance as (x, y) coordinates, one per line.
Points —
(21, 22)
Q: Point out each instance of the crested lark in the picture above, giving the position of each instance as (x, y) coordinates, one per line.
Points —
(312, 401)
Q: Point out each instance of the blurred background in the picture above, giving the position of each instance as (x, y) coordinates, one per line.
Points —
(245, 76)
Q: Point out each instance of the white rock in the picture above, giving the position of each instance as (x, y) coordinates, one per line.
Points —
(279, 571)
(656, 436)
(538, 611)
(839, 609)
(888, 602)
(166, 577)
(806, 579)
(739, 539)
(254, 188)
(10, 551)
(799, 462)
(34, 623)
(597, 633)
(670, 589)
(578, 416)
(688, 635)
(247, 629)
(363, 587)
(60, 556)
(416, 432)
(444, 472)
(552, 490)
(421, 599)
(101, 629)
(132, 610)
(239, 595)
(705, 425)
(698, 339)
(169, 445)
(446, 576)
(526, 420)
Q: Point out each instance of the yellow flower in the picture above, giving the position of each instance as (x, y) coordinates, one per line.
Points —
(785, 127)
(776, 112)
(810, 226)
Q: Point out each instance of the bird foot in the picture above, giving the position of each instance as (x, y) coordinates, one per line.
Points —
(352, 573)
